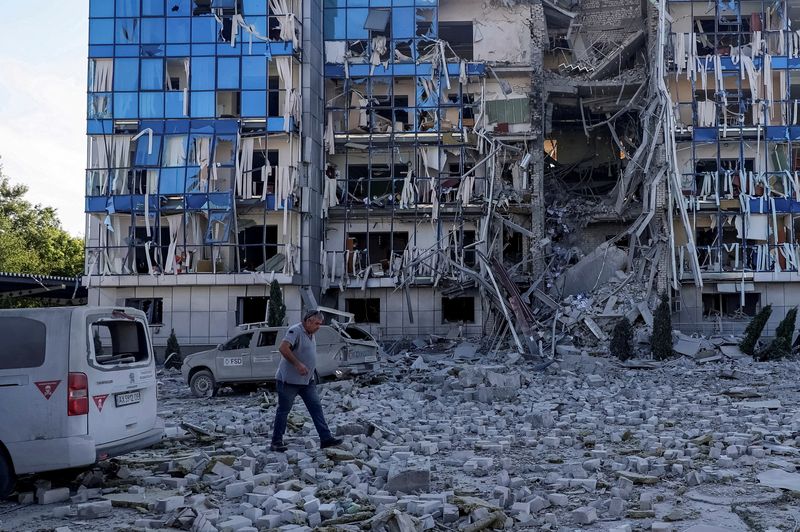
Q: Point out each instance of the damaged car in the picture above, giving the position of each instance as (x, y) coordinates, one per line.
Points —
(252, 356)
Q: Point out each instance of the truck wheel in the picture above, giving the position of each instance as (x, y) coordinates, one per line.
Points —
(6, 477)
(203, 384)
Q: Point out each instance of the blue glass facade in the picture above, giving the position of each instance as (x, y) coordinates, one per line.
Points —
(193, 121)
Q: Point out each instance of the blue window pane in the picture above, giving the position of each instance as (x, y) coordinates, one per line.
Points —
(203, 49)
(202, 104)
(143, 157)
(403, 22)
(203, 73)
(179, 8)
(355, 23)
(173, 105)
(171, 181)
(126, 74)
(255, 7)
(153, 8)
(152, 74)
(150, 50)
(101, 50)
(254, 103)
(127, 50)
(178, 50)
(127, 8)
(178, 30)
(152, 30)
(101, 8)
(99, 105)
(127, 31)
(151, 104)
(335, 24)
(125, 105)
(204, 29)
(254, 72)
(101, 31)
(228, 73)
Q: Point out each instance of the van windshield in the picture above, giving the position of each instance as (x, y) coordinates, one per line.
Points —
(117, 342)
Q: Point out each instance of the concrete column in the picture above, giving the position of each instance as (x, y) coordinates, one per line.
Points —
(312, 150)
(538, 97)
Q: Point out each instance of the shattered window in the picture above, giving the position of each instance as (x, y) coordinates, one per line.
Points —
(458, 310)
(365, 310)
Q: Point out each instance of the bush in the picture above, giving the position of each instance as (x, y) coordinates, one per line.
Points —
(276, 310)
(622, 340)
(173, 352)
(661, 339)
(781, 346)
(754, 329)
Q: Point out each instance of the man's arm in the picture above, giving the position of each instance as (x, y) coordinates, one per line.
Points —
(286, 350)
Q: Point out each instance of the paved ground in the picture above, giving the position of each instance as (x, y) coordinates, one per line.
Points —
(491, 441)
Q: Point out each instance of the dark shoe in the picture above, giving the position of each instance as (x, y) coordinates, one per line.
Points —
(279, 447)
(330, 443)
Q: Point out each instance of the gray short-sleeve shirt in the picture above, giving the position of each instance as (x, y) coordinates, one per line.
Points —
(304, 347)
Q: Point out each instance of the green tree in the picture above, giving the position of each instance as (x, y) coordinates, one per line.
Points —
(754, 329)
(622, 340)
(276, 310)
(31, 237)
(781, 346)
(661, 339)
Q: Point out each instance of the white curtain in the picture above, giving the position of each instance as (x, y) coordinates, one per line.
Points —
(202, 158)
(174, 227)
(244, 169)
(121, 156)
(291, 105)
(103, 75)
(175, 150)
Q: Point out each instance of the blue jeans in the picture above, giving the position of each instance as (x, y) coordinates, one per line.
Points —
(308, 393)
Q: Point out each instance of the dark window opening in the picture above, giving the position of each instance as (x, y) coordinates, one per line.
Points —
(514, 249)
(251, 310)
(377, 248)
(260, 159)
(717, 37)
(267, 338)
(376, 184)
(152, 307)
(176, 77)
(394, 109)
(365, 310)
(464, 238)
(119, 342)
(256, 246)
(158, 250)
(459, 36)
(238, 342)
(24, 343)
(274, 97)
(458, 310)
(728, 305)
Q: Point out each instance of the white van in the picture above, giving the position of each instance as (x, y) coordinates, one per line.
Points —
(77, 385)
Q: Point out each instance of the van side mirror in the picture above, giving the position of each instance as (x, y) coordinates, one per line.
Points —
(219, 347)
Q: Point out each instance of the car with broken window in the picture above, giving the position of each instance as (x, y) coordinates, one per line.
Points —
(252, 356)
(77, 385)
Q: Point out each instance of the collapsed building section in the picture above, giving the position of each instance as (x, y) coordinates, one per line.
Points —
(427, 133)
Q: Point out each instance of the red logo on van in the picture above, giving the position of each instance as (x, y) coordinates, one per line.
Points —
(100, 401)
(47, 388)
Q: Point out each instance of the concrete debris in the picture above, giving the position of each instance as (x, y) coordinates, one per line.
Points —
(583, 443)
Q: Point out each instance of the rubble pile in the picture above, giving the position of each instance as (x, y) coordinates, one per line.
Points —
(457, 440)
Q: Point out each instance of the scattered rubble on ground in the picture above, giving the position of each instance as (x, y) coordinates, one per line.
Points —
(449, 438)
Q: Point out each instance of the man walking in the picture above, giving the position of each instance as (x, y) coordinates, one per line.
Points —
(295, 376)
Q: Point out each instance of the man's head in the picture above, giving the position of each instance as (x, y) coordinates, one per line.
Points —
(312, 320)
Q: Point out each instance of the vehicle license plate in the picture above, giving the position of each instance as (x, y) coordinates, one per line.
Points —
(128, 398)
(232, 361)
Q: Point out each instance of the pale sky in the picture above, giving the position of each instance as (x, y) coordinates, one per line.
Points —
(43, 102)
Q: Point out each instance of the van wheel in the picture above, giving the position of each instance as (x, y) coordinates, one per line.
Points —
(203, 384)
(6, 477)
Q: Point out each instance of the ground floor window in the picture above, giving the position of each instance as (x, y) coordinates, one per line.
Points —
(729, 305)
(458, 310)
(153, 307)
(251, 309)
(365, 310)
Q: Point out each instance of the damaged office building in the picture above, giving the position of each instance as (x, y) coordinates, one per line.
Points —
(514, 169)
